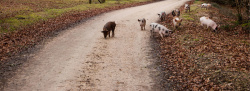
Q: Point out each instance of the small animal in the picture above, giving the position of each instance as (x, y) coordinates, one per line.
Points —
(142, 23)
(210, 23)
(109, 26)
(206, 5)
(176, 12)
(162, 15)
(162, 30)
(177, 22)
(209, 5)
(187, 8)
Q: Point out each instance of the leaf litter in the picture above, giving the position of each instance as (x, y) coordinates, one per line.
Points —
(196, 58)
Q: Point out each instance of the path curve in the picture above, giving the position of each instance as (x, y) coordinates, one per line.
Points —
(81, 59)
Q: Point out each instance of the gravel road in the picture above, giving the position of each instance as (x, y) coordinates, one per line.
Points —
(79, 58)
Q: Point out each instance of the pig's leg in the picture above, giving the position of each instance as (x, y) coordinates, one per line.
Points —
(109, 33)
(113, 32)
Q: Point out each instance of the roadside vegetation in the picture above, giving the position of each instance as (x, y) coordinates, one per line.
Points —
(16, 14)
(196, 58)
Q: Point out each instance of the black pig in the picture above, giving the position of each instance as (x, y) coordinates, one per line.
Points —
(108, 27)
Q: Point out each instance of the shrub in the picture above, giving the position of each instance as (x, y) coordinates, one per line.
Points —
(246, 27)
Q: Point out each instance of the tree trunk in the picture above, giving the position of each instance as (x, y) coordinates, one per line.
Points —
(247, 2)
(99, 1)
(238, 6)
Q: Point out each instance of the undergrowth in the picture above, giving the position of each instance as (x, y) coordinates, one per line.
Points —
(196, 58)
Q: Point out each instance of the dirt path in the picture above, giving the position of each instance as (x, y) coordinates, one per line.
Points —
(81, 59)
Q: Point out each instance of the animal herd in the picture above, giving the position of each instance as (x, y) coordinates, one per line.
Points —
(162, 30)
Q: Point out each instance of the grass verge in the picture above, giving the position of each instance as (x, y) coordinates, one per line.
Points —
(12, 18)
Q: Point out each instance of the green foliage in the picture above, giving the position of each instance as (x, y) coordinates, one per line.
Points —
(245, 42)
(226, 27)
(198, 2)
(246, 27)
(103, 1)
(230, 27)
(196, 39)
(246, 24)
(187, 17)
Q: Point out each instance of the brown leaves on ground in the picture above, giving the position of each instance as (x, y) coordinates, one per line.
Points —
(196, 58)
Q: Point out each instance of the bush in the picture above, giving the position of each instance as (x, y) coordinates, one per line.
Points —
(226, 27)
(220, 1)
(225, 2)
(246, 27)
(103, 1)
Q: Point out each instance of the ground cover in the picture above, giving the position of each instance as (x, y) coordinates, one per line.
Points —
(197, 58)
